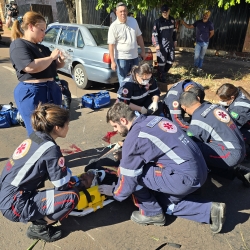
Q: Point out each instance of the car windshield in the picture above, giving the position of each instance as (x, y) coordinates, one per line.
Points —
(100, 35)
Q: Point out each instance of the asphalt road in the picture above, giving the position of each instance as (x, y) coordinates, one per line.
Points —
(110, 227)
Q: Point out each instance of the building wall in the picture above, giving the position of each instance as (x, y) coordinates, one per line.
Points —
(41, 2)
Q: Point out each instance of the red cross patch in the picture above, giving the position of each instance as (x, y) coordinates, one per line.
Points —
(22, 149)
(175, 104)
(61, 162)
(167, 126)
(125, 91)
(222, 115)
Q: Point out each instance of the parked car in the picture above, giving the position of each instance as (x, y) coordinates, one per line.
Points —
(87, 46)
(1, 28)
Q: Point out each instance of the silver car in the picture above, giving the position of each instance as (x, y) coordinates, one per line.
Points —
(86, 44)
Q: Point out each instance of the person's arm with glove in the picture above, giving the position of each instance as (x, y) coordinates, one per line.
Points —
(154, 105)
(140, 109)
(107, 189)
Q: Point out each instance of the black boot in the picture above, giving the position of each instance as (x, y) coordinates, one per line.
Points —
(47, 233)
(243, 173)
(218, 216)
(158, 220)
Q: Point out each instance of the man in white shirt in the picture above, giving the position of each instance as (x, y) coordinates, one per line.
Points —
(123, 38)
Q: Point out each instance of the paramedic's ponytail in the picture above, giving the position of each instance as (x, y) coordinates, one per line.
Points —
(46, 116)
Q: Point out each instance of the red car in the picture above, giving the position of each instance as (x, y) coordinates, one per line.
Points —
(1, 28)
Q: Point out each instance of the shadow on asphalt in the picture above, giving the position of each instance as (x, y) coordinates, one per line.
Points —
(233, 193)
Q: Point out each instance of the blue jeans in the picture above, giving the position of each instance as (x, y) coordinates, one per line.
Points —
(199, 53)
(124, 66)
(28, 95)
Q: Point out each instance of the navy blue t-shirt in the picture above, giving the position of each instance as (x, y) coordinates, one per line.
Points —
(203, 30)
(23, 52)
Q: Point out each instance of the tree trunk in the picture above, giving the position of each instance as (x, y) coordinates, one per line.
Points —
(71, 7)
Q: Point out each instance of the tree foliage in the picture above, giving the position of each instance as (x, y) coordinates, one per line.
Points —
(71, 7)
(179, 8)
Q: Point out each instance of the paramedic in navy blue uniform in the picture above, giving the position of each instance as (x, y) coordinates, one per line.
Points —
(164, 40)
(237, 102)
(35, 65)
(35, 160)
(217, 136)
(140, 90)
(158, 156)
(172, 108)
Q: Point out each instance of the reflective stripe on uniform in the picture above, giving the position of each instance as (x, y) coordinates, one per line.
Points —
(153, 90)
(130, 172)
(162, 146)
(30, 163)
(50, 197)
(124, 98)
(139, 97)
(161, 64)
(175, 112)
(242, 104)
(61, 182)
(167, 27)
(172, 92)
(211, 131)
(138, 187)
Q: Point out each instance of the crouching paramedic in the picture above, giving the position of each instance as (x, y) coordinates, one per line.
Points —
(217, 136)
(158, 156)
(172, 108)
(35, 160)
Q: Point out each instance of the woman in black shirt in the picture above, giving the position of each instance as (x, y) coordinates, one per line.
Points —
(35, 66)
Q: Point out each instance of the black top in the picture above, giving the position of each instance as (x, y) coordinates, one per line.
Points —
(23, 52)
(132, 92)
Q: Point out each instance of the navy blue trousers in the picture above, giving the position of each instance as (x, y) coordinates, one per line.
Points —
(172, 196)
(56, 205)
(28, 95)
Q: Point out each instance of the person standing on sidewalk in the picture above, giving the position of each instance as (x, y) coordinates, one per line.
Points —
(35, 65)
(164, 40)
(204, 31)
(123, 38)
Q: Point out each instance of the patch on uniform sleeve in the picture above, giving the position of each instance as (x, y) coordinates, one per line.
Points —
(234, 114)
(61, 162)
(222, 115)
(125, 91)
(152, 123)
(175, 104)
(167, 126)
(22, 149)
(189, 133)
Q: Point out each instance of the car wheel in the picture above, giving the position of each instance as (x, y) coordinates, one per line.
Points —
(80, 77)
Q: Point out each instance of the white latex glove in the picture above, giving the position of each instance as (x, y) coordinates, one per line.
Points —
(107, 189)
(153, 106)
(144, 110)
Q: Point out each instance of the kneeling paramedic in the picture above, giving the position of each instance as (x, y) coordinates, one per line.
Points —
(158, 156)
(35, 160)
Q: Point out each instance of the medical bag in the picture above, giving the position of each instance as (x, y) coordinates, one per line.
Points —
(8, 115)
(96, 100)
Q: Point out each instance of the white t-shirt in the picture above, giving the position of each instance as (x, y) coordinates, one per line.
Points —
(113, 16)
(124, 36)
